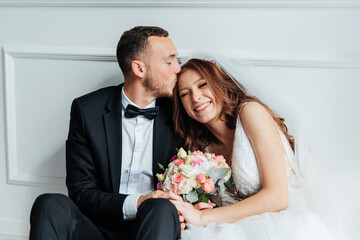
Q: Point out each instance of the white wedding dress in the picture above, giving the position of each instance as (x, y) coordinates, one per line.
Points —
(298, 221)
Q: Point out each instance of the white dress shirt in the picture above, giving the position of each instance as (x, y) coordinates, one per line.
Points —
(136, 177)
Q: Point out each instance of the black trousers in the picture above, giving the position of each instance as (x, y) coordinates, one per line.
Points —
(55, 216)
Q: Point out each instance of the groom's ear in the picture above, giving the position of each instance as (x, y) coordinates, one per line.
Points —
(138, 68)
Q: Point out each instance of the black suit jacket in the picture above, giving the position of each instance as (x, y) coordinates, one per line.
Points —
(93, 152)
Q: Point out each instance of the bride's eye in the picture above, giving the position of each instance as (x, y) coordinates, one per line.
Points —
(183, 94)
(203, 84)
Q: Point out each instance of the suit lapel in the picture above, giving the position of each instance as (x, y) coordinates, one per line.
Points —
(160, 142)
(113, 130)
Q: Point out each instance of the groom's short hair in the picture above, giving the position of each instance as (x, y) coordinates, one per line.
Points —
(134, 44)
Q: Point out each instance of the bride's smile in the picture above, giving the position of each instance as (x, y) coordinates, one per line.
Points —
(198, 99)
(202, 107)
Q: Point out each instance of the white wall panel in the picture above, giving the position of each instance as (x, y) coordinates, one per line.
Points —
(306, 52)
(40, 85)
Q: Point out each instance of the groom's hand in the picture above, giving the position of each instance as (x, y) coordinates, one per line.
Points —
(154, 194)
(161, 194)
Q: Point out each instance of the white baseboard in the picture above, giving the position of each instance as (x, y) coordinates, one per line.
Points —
(11, 229)
(12, 237)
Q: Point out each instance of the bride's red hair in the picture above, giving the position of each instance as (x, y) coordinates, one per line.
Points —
(195, 134)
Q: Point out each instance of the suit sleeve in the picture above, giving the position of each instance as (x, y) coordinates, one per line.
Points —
(81, 174)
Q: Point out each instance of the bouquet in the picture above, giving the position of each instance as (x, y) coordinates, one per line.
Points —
(195, 175)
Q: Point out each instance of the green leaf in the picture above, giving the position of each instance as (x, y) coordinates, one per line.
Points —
(191, 197)
(218, 173)
(200, 190)
(161, 167)
(160, 177)
(204, 198)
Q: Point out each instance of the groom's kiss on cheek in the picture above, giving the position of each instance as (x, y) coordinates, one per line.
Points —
(161, 67)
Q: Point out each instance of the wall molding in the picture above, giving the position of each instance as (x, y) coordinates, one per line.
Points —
(13, 175)
(297, 61)
(108, 54)
(40, 52)
(179, 3)
(10, 53)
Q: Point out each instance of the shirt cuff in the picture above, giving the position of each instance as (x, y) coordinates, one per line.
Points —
(130, 206)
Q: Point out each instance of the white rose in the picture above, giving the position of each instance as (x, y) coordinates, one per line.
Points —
(166, 184)
(185, 186)
(193, 182)
(186, 170)
(173, 169)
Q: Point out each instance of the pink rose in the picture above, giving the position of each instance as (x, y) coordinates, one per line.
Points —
(176, 178)
(201, 178)
(159, 186)
(217, 159)
(197, 153)
(196, 161)
(173, 158)
(179, 162)
(208, 185)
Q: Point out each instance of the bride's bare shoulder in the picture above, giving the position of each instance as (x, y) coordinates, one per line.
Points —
(249, 109)
(254, 115)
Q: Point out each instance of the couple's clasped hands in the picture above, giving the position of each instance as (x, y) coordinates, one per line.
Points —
(192, 214)
(187, 212)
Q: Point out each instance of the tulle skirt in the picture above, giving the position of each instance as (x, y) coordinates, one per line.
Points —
(288, 224)
(325, 215)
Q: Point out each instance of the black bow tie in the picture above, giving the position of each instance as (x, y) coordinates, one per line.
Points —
(150, 113)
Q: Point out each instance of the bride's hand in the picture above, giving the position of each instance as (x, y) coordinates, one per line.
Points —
(199, 206)
(172, 196)
(190, 213)
(203, 206)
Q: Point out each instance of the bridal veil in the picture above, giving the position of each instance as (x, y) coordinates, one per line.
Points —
(332, 192)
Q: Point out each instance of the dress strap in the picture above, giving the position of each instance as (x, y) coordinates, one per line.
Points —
(243, 104)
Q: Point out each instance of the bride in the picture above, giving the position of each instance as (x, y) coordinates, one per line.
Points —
(214, 112)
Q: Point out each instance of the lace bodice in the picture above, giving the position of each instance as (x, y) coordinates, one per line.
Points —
(245, 172)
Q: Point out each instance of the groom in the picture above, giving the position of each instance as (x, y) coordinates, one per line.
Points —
(117, 137)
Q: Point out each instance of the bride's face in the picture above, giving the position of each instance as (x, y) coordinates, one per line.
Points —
(197, 98)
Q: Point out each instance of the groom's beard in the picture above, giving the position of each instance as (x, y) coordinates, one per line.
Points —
(157, 88)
